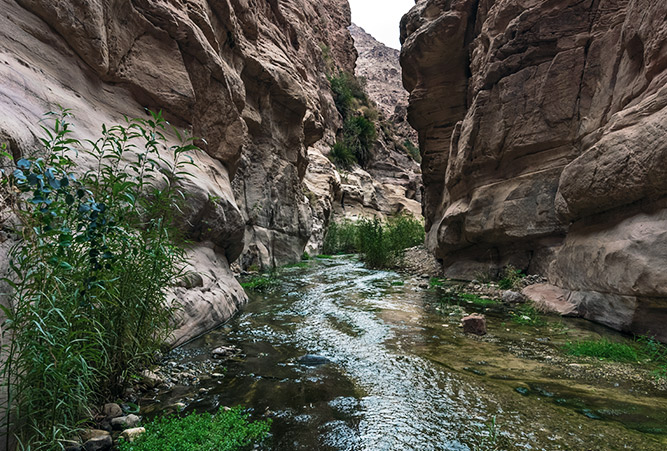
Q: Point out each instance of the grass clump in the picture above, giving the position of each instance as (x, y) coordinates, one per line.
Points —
(644, 349)
(474, 299)
(511, 278)
(227, 430)
(528, 315)
(89, 277)
(261, 283)
(603, 349)
(355, 143)
(305, 256)
(380, 244)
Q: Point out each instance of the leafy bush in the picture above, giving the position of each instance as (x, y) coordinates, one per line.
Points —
(227, 430)
(90, 273)
(380, 244)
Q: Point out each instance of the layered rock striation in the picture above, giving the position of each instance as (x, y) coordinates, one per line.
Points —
(543, 130)
(246, 77)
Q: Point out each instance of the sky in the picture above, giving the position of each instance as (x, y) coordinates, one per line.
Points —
(381, 18)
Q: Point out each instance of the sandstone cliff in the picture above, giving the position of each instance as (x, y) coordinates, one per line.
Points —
(543, 130)
(391, 182)
(247, 77)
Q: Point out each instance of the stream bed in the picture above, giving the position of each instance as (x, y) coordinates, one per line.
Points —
(341, 357)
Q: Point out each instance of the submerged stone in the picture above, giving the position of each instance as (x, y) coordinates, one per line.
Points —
(312, 360)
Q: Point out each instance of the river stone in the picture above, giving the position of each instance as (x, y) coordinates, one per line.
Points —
(151, 379)
(112, 410)
(89, 434)
(102, 443)
(474, 324)
(513, 297)
(224, 351)
(131, 434)
(312, 360)
(126, 422)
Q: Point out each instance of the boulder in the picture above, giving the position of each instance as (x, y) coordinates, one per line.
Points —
(101, 443)
(474, 324)
(131, 435)
(126, 422)
(112, 410)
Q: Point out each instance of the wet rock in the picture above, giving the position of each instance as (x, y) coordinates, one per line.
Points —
(224, 351)
(474, 324)
(549, 298)
(102, 443)
(312, 360)
(131, 434)
(72, 446)
(89, 434)
(513, 297)
(112, 410)
(126, 422)
(151, 379)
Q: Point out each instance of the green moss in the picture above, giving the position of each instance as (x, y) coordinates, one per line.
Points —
(227, 430)
(472, 298)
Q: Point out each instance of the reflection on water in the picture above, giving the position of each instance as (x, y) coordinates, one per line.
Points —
(388, 381)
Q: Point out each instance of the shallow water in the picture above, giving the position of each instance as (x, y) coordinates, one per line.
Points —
(400, 374)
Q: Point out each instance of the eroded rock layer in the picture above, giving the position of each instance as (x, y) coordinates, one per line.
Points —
(246, 76)
(543, 129)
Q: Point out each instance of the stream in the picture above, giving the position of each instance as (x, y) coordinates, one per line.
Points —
(341, 357)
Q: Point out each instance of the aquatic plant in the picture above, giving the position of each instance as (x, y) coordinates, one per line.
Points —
(528, 315)
(262, 282)
(97, 253)
(226, 430)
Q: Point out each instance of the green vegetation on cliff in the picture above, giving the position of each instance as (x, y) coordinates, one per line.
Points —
(359, 116)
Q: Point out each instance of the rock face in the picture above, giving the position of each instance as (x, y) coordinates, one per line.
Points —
(380, 67)
(247, 77)
(391, 182)
(543, 128)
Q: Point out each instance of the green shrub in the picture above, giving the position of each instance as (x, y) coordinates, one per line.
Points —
(305, 256)
(379, 244)
(359, 135)
(342, 156)
(97, 253)
(227, 430)
(413, 151)
(348, 93)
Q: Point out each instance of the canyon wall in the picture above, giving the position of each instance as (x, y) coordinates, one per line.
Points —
(245, 76)
(391, 181)
(543, 130)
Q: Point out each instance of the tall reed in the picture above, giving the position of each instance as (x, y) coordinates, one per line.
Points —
(90, 274)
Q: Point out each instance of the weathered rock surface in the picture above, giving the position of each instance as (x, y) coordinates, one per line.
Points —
(380, 67)
(247, 77)
(391, 181)
(474, 324)
(543, 130)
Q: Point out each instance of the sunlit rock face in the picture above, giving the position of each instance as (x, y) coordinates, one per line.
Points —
(245, 76)
(543, 126)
